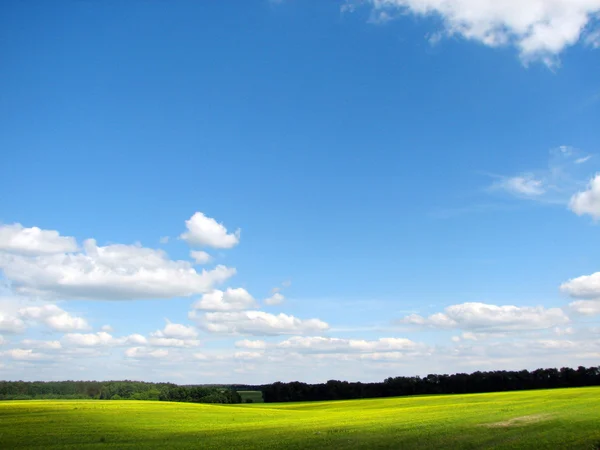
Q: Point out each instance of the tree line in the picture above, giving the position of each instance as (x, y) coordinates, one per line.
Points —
(460, 383)
(116, 390)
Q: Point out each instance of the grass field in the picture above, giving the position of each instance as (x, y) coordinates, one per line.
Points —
(555, 419)
(255, 396)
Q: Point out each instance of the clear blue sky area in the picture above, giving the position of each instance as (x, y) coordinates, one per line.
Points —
(419, 183)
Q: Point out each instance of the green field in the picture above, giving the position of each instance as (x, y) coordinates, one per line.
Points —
(553, 419)
(255, 396)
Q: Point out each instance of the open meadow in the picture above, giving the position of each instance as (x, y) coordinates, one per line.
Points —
(552, 419)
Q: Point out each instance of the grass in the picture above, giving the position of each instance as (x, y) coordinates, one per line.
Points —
(553, 419)
(255, 396)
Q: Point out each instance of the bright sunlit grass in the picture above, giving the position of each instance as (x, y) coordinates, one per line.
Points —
(553, 419)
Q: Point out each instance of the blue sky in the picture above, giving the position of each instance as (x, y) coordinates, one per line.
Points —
(417, 181)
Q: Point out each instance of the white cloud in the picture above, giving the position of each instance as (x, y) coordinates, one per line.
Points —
(41, 345)
(106, 328)
(135, 339)
(200, 257)
(539, 29)
(564, 331)
(2, 340)
(586, 307)
(245, 343)
(115, 272)
(229, 300)
(174, 335)
(206, 231)
(555, 184)
(20, 354)
(315, 359)
(145, 353)
(177, 331)
(588, 201)
(586, 287)
(101, 339)
(480, 316)
(160, 338)
(164, 240)
(54, 317)
(275, 299)
(34, 241)
(471, 336)
(524, 185)
(172, 342)
(248, 355)
(257, 323)
(324, 344)
(10, 324)
(201, 356)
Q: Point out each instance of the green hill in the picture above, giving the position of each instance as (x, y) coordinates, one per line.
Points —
(552, 419)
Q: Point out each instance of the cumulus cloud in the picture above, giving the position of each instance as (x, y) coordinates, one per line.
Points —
(34, 241)
(134, 339)
(11, 324)
(41, 345)
(174, 335)
(146, 353)
(588, 201)
(325, 344)
(586, 307)
(207, 232)
(481, 316)
(248, 355)
(200, 257)
(54, 317)
(101, 339)
(20, 354)
(585, 287)
(539, 29)
(177, 331)
(113, 272)
(245, 343)
(228, 300)
(172, 342)
(275, 299)
(257, 323)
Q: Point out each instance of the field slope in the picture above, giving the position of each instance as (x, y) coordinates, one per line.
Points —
(554, 419)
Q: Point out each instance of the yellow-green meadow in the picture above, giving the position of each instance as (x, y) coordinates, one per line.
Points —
(552, 419)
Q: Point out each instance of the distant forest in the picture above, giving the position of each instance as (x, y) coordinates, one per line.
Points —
(460, 383)
(115, 390)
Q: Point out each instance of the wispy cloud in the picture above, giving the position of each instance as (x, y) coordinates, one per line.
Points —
(566, 173)
(523, 185)
(582, 160)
